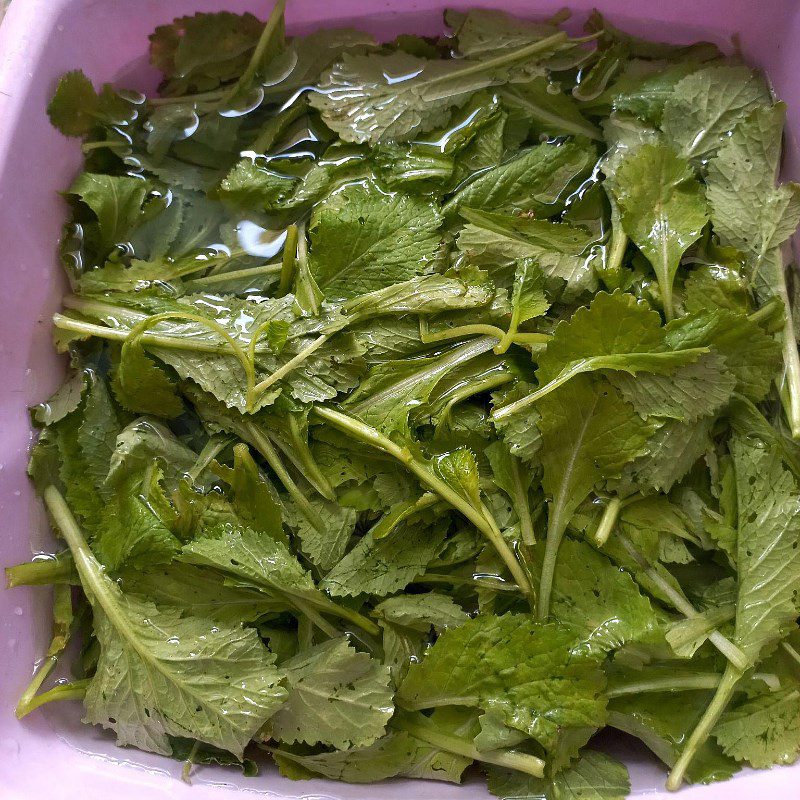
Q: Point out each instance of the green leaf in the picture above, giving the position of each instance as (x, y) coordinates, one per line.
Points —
(551, 110)
(764, 730)
(162, 675)
(383, 566)
(314, 53)
(63, 401)
(561, 250)
(596, 776)
(253, 497)
(663, 721)
(130, 531)
(751, 356)
(76, 108)
(538, 180)
(143, 387)
(596, 599)
(425, 295)
(708, 104)
(337, 697)
(768, 552)
(747, 211)
(198, 53)
(195, 591)
(421, 612)
(252, 558)
(478, 665)
(690, 392)
(671, 452)
(387, 108)
(589, 433)
(519, 431)
(394, 389)
(528, 299)
(396, 754)
(325, 545)
(145, 441)
(117, 204)
(663, 210)
(363, 240)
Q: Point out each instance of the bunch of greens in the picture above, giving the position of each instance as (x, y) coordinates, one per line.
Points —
(432, 402)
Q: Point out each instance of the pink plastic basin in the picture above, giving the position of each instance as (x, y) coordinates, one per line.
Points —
(50, 754)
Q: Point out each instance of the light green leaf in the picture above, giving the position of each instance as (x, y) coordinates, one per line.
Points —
(363, 240)
(528, 299)
(141, 386)
(253, 498)
(537, 180)
(195, 591)
(671, 452)
(708, 104)
(768, 552)
(63, 401)
(400, 94)
(596, 599)
(130, 531)
(764, 730)
(519, 431)
(751, 356)
(162, 675)
(747, 210)
(663, 721)
(115, 201)
(421, 612)
(145, 441)
(397, 753)
(395, 389)
(690, 392)
(325, 546)
(551, 110)
(478, 665)
(252, 558)
(595, 776)
(663, 210)
(381, 567)
(337, 697)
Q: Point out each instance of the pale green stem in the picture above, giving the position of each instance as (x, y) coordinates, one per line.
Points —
(213, 447)
(329, 630)
(791, 651)
(498, 585)
(263, 42)
(263, 444)
(485, 525)
(766, 311)
(306, 459)
(42, 572)
(291, 364)
(27, 702)
(523, 506)
(681, 604)
(223, 277)
(705, 726)
(459, 332)
(64, 691)
(509, 759)
(289, 263)
(189, 763)
(153, 340)
(607, 521)
(201, 97)
(667, 684)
